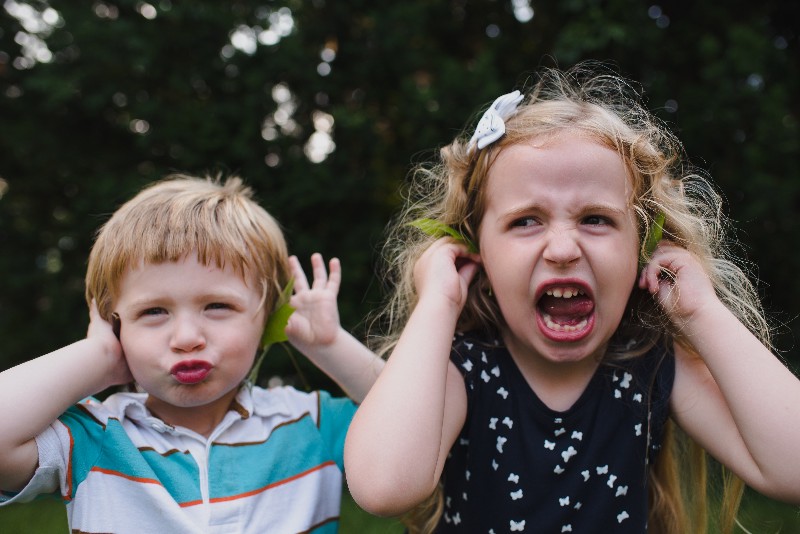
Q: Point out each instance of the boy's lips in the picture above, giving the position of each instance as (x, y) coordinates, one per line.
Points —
(190, 371)
(565, 310)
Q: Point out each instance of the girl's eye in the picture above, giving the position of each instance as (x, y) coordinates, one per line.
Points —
(218, 306)
(524, 222)
(154, 311)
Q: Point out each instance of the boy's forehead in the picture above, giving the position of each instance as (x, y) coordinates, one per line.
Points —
(191, 259)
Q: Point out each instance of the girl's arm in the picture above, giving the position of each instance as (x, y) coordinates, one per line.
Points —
(36, 392)
(731, 394)
(315, 331)
(401, 434)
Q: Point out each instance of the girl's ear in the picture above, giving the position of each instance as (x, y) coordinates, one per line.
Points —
(438, 229)
(651, 238)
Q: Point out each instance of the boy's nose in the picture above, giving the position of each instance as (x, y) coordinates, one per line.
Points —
(562, 246)
(187, 335)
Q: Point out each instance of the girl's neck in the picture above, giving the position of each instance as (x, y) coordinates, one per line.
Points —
(557, 384)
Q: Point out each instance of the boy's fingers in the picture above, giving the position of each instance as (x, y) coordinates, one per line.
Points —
(335, 275)
(319, 271)
(300, 280)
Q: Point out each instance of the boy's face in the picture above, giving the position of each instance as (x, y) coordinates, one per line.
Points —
(190, 333)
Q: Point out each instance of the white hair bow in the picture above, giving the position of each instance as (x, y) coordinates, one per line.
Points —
(492, 125)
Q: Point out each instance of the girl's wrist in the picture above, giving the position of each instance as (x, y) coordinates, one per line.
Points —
(438, 307)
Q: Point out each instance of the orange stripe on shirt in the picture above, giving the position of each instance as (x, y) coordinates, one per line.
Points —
(68, 496)
(265, 488)
(123, 475)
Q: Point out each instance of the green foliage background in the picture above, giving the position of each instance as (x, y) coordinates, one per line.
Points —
(134, 91)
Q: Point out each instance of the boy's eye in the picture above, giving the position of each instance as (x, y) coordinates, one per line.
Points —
(218, 306)
(154, 311)
(595, 220)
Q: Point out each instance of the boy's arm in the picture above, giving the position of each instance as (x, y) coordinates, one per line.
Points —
(37, 392)
(731, 394)
(315, 331)
(401, 434)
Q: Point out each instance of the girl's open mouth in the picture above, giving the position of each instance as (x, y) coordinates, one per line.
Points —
(565, 312)
(190, 371)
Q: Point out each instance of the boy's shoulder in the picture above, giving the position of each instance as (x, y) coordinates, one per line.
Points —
(289, 401)
(115, 406)
(284, 402)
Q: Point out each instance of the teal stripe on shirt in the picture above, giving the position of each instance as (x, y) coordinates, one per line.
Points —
(110, 448)
(292, 448)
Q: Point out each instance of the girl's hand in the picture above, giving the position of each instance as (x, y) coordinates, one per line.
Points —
(315, 321)
(102, 333)
(678, 281)
(446, 268)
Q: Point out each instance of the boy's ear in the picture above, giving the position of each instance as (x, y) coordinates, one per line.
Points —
(275, 327)
(116, 324)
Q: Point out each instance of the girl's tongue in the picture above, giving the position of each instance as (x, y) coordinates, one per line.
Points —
(561, 312)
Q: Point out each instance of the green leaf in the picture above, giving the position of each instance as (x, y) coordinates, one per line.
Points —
(653, 237)
(437, 229)
(275, 329)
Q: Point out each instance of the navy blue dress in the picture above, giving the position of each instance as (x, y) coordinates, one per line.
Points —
(519, 466)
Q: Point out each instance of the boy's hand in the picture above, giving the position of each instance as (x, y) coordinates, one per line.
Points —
(315, 321)
(102, 333)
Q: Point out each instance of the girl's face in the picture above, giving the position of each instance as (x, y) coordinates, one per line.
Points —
(559, 244)
(190, 333)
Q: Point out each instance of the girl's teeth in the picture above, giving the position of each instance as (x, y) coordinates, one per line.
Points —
(552, 325)
(566, 293)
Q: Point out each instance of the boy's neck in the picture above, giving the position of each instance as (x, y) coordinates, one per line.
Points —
(199, 419)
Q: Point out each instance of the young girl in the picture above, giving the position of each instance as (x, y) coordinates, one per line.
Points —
(180, 283)
(539, 360)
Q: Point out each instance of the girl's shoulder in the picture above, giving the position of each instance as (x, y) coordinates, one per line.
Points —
(474, 349)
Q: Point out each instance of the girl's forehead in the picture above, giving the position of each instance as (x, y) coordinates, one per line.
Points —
(569, 160)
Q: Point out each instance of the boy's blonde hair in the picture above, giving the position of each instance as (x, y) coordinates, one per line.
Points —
(219, 221)
(593, 102)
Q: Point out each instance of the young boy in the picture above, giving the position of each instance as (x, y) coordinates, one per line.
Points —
(180, 283)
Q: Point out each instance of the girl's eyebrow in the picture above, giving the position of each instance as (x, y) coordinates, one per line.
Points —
(589, 208)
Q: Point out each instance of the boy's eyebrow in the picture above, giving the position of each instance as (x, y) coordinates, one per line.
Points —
(146, 300)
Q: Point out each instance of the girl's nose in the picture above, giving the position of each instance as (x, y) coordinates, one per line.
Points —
(187, 334)
(562, 246)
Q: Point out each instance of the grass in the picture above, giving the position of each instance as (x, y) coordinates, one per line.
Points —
(48, 516)
(758, 514)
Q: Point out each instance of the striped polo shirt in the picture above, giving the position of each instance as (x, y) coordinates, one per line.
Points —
(274, 464)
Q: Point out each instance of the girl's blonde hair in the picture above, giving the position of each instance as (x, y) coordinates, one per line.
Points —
(596, 103)
(219, 221)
